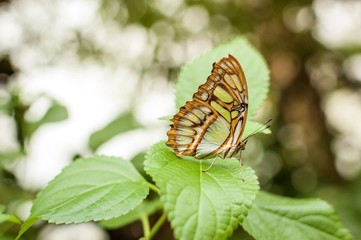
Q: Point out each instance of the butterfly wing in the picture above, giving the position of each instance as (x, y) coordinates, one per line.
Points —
(213, 122)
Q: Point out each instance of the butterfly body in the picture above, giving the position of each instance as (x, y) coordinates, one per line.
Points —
(212, 123)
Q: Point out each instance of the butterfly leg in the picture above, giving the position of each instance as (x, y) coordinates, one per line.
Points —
(214, 159)
(240, 159)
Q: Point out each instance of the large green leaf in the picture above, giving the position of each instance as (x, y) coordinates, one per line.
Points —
(91, 189)
(201, 205)
(274, 217)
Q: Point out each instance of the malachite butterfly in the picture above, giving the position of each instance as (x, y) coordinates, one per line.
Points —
(212, 123)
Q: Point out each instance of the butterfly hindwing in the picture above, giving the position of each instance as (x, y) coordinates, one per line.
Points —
(213, 122)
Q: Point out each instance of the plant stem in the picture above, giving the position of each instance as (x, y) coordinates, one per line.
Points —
(157, 225)
(146, 227)
(153, 187)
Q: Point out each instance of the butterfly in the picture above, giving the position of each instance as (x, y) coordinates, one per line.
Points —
(212, 123)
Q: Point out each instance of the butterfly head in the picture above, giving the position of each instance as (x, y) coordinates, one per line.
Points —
(242, 145)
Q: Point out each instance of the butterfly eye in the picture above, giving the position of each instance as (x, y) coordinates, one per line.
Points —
(243, 107)
(240, 108)
(243, 145)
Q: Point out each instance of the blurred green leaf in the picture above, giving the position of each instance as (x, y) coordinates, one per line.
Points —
(276, 217)
(146, 208)
(7, 217)
(4, 106)
(138, 162)
(207, 205)
(124, 122)
(7, 237)
(55, 113)
(166, 118)
(9, 156)
(91, 189)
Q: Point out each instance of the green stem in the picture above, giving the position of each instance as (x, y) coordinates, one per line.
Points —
(157, 225)
(153, 187)
(146, 227)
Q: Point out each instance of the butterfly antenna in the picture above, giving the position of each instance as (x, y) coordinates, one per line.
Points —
(265, 126)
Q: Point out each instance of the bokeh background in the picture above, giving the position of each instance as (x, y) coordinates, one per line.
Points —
(79, 77)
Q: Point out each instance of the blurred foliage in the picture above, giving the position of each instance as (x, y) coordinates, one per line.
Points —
(298, 159)
(15, 107)
(125, 122)
(55, 113)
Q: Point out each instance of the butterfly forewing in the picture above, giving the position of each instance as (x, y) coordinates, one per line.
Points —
(213, 122)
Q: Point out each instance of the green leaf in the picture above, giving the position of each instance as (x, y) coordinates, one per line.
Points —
(196, 72)
(205, 205)
(147, 208)
(122, 123)
(6, 104)
(166, 118)
(91, 189)
(10, 156)
(55, 113)
(275, 217)
(7, 217)
(26, 225)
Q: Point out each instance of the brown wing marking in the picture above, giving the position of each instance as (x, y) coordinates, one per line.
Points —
(226, 81)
